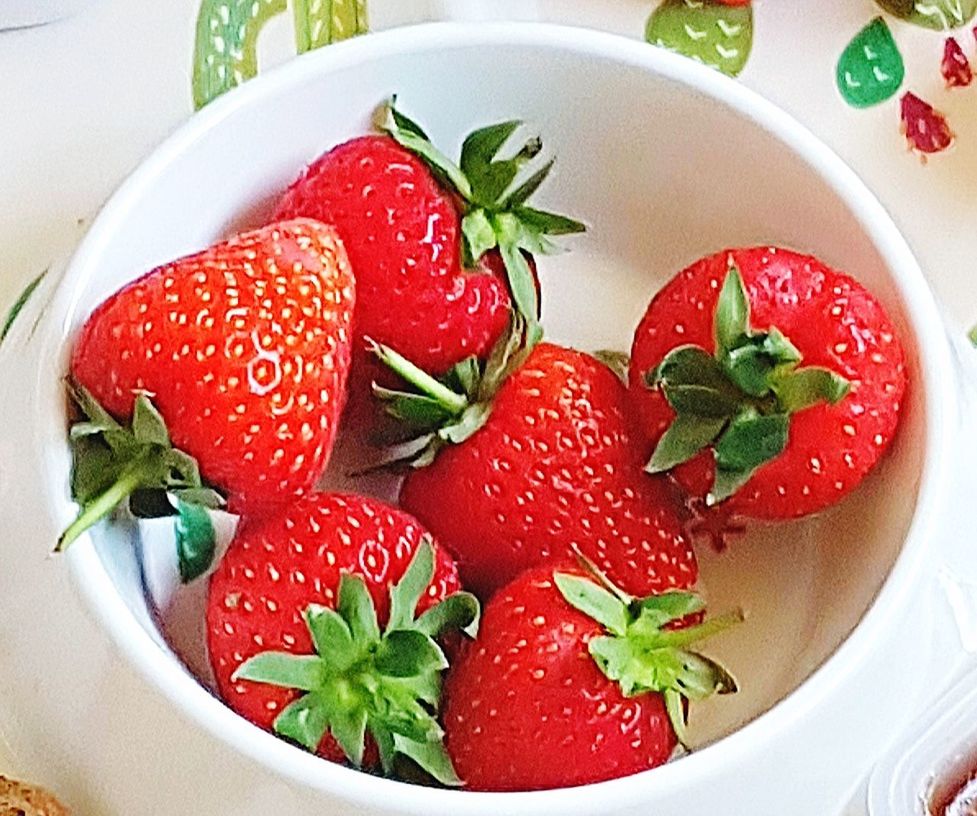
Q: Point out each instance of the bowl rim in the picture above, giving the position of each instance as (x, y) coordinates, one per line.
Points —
(187, 694)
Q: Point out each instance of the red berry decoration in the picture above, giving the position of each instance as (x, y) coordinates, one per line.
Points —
(955, 68)
(925, 128)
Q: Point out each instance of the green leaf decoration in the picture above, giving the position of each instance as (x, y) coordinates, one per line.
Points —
(362, 679)
(321, 22)
(19, 305)
(940, 15)
(871, 69)
(112, 463)
(225, 50)
(711, 33)
(739, 400)
(639, 653)
(196, 540)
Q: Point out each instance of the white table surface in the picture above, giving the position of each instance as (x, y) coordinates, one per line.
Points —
(85, 99)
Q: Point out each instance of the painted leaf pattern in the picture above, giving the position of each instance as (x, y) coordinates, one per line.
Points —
(718, 36)
(941, 15)
(870, 69)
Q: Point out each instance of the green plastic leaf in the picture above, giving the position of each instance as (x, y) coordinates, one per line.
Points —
(686, 436)
(321, 22)
(430, 757)
(732, 319)
(940, 15)
(750, 440)
(717, 35)
(458, 612)
(196, 540)
(408, 652)
(594, 601)
(406, 593)
(809, 386)
(304, 721)
(225, 49)
(356, 607)
(19, 305)
(305, 672)
(871, 69)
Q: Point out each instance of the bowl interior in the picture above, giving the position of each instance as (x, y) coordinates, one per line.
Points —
(663, 170)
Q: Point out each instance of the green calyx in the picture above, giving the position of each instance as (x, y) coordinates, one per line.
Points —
(114, 465)
(739, 400)
(447, 410)
(494, 192)
(640, 654)
(363, 680)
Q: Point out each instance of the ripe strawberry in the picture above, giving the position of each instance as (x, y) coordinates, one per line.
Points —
(296, 605)
(416, 226)
(537, 470)
(570, 683)
(234, 358)
(713, 368)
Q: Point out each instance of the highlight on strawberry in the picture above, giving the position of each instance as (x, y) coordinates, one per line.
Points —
(323, 623)
(219, 375)
(595, 680)
(766, 382)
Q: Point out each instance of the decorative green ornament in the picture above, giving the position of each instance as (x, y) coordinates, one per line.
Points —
(718, 36)
(941, 15)
(870, 69)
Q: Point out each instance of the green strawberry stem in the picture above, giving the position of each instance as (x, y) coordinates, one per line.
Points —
(113, 464)
(494, 192)
(420, 379)
(94, 511)
(362, 679)
(737, 401)
(437, 414)
(641, 653)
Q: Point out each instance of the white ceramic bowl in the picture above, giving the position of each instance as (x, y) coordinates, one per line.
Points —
(667, 161)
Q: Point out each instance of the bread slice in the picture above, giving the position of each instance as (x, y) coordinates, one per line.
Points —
(19, 799)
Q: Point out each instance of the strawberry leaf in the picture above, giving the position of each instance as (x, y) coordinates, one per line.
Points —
(362, 679)
(111, 463)
(739, 400)
(640, 654)
(685, 437)
(196, 540)
(594, 601)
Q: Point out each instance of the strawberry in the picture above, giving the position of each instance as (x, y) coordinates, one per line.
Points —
(717, 380)
(231, 365)
(416, 227)
(522, 472)
(570, 683)
(296, 605)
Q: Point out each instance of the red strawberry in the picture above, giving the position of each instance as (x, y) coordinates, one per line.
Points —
(243, 349)
(542, 467)
(570, 683)
(415, 226)
(715, 365)
(332, 569)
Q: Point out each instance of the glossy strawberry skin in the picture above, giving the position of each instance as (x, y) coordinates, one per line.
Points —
(526, 707)
(278, 565)
(552, 468)
(401, 229)
(245, 348)
(835, 323)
